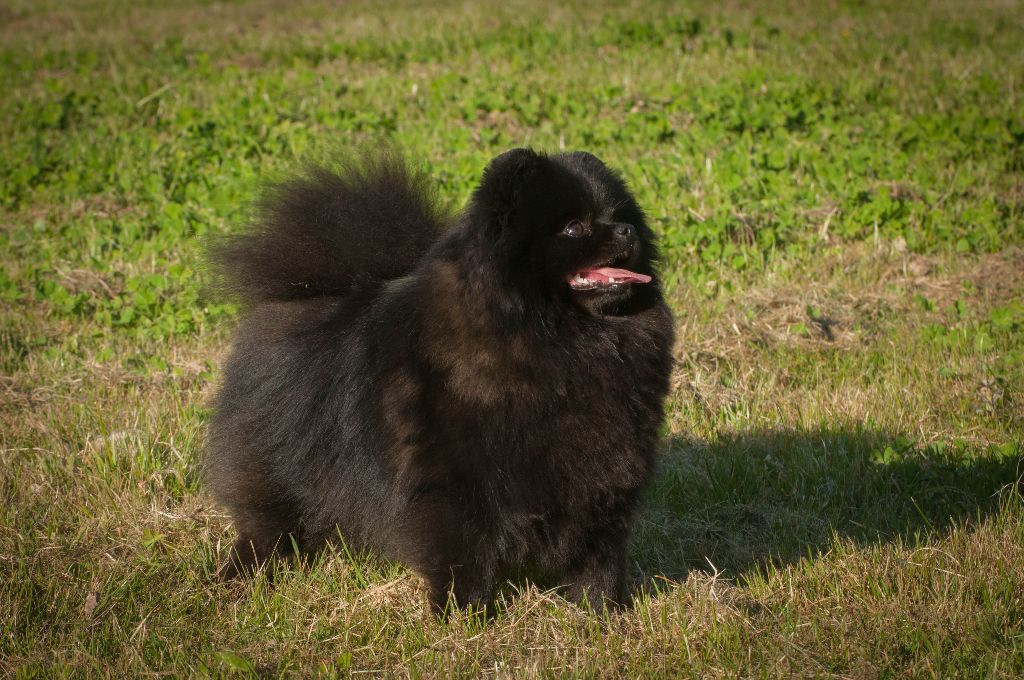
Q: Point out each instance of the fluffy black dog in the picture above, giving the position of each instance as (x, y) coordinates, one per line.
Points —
(477, 397)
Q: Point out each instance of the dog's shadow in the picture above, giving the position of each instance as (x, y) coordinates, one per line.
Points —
(737, 503)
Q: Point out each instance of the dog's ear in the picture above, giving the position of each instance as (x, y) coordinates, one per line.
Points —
(504, 181)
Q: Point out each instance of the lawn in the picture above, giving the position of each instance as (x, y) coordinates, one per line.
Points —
(839, 191)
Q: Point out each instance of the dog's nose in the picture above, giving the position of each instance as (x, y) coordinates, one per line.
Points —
(623, 230)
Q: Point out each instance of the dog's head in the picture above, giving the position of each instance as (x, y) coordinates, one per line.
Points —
(565, 228)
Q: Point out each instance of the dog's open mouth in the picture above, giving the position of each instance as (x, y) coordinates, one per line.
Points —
(604, 278)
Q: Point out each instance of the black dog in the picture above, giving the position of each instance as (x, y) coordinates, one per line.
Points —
(477, 399)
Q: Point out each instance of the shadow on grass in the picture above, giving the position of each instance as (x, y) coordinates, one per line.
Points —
(744, 499)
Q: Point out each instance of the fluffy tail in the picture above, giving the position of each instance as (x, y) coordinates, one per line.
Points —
(331, 232)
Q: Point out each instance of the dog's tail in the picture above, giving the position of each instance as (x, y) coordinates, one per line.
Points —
(331, 232)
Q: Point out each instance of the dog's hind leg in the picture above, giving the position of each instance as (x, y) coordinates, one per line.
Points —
(264, 535)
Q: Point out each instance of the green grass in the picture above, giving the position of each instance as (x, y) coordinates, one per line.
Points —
(839, 191)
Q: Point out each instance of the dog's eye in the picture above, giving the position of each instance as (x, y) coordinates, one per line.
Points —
(575, 229)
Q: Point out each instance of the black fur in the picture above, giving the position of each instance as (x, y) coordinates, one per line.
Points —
(443, 396)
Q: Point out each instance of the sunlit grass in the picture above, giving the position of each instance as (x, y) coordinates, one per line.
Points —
(838, 189)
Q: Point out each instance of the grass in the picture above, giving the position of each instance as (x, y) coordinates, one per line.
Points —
(839, 192)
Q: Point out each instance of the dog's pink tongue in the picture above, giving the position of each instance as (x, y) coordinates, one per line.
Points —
(605, 274)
